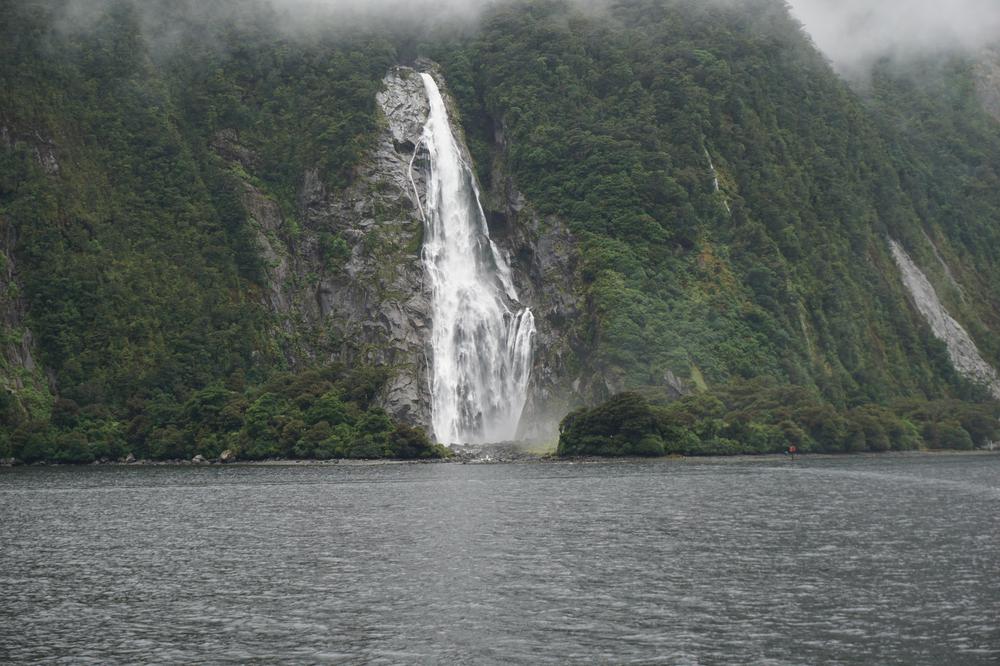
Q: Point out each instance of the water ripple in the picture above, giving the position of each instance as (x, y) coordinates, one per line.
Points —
(852, 560)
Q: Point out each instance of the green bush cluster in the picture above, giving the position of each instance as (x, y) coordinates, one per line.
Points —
(318, 414)
(760, 416)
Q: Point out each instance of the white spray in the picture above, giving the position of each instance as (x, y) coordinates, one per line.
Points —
(482, 338)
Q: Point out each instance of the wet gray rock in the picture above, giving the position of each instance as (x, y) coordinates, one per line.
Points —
(199, 459)
(129, 459)
(380, 300)
(544, 258)
(226, 143)
(405, 107)
(345, 281)
(962, 350)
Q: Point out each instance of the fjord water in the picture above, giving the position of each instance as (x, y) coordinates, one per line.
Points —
(854, 560)
(481, 336)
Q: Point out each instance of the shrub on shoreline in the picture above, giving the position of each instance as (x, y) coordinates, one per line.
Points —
(759, 417)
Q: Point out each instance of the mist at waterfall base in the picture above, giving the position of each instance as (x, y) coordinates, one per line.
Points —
(481, 339)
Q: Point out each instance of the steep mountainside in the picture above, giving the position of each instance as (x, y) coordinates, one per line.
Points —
(733, 198)
(195, 199)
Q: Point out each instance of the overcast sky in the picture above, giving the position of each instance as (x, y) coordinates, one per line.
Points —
(853, 32)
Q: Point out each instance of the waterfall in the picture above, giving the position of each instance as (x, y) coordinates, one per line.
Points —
(482, 337)
(715, 181)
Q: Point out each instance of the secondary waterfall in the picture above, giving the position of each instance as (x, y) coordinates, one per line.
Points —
(482, 338)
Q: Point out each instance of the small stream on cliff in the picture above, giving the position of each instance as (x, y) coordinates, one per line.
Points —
(481, 346)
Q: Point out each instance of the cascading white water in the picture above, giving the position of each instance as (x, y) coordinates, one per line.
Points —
(482, 338)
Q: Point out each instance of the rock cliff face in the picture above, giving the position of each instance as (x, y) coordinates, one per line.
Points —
(345, 277)
(345, 281)
(545, 265)
(963, 352)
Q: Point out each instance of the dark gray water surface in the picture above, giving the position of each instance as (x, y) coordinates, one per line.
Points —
(856, 560)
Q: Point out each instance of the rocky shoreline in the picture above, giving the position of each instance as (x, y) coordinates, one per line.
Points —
(487, 455)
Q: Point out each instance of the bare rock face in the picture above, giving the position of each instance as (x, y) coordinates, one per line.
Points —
(545, 253)
(345, 279)
(380, 300)
(962, 350)
(404, 103)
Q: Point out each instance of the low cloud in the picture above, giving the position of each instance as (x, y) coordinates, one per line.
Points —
(854, 33)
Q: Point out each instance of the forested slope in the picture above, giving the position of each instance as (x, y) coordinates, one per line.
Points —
(729, 199)
(780, 267)
(134, 262)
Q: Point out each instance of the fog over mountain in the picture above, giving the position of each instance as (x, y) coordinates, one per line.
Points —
(852, 33)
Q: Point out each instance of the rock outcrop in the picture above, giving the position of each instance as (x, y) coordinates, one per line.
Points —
(345, 280)
(544, 260)
(962, 350)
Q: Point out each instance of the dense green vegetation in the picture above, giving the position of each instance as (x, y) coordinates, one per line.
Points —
(949, 150)
(141, 278)
(320, 414)
(760, 416)
(609, 120)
